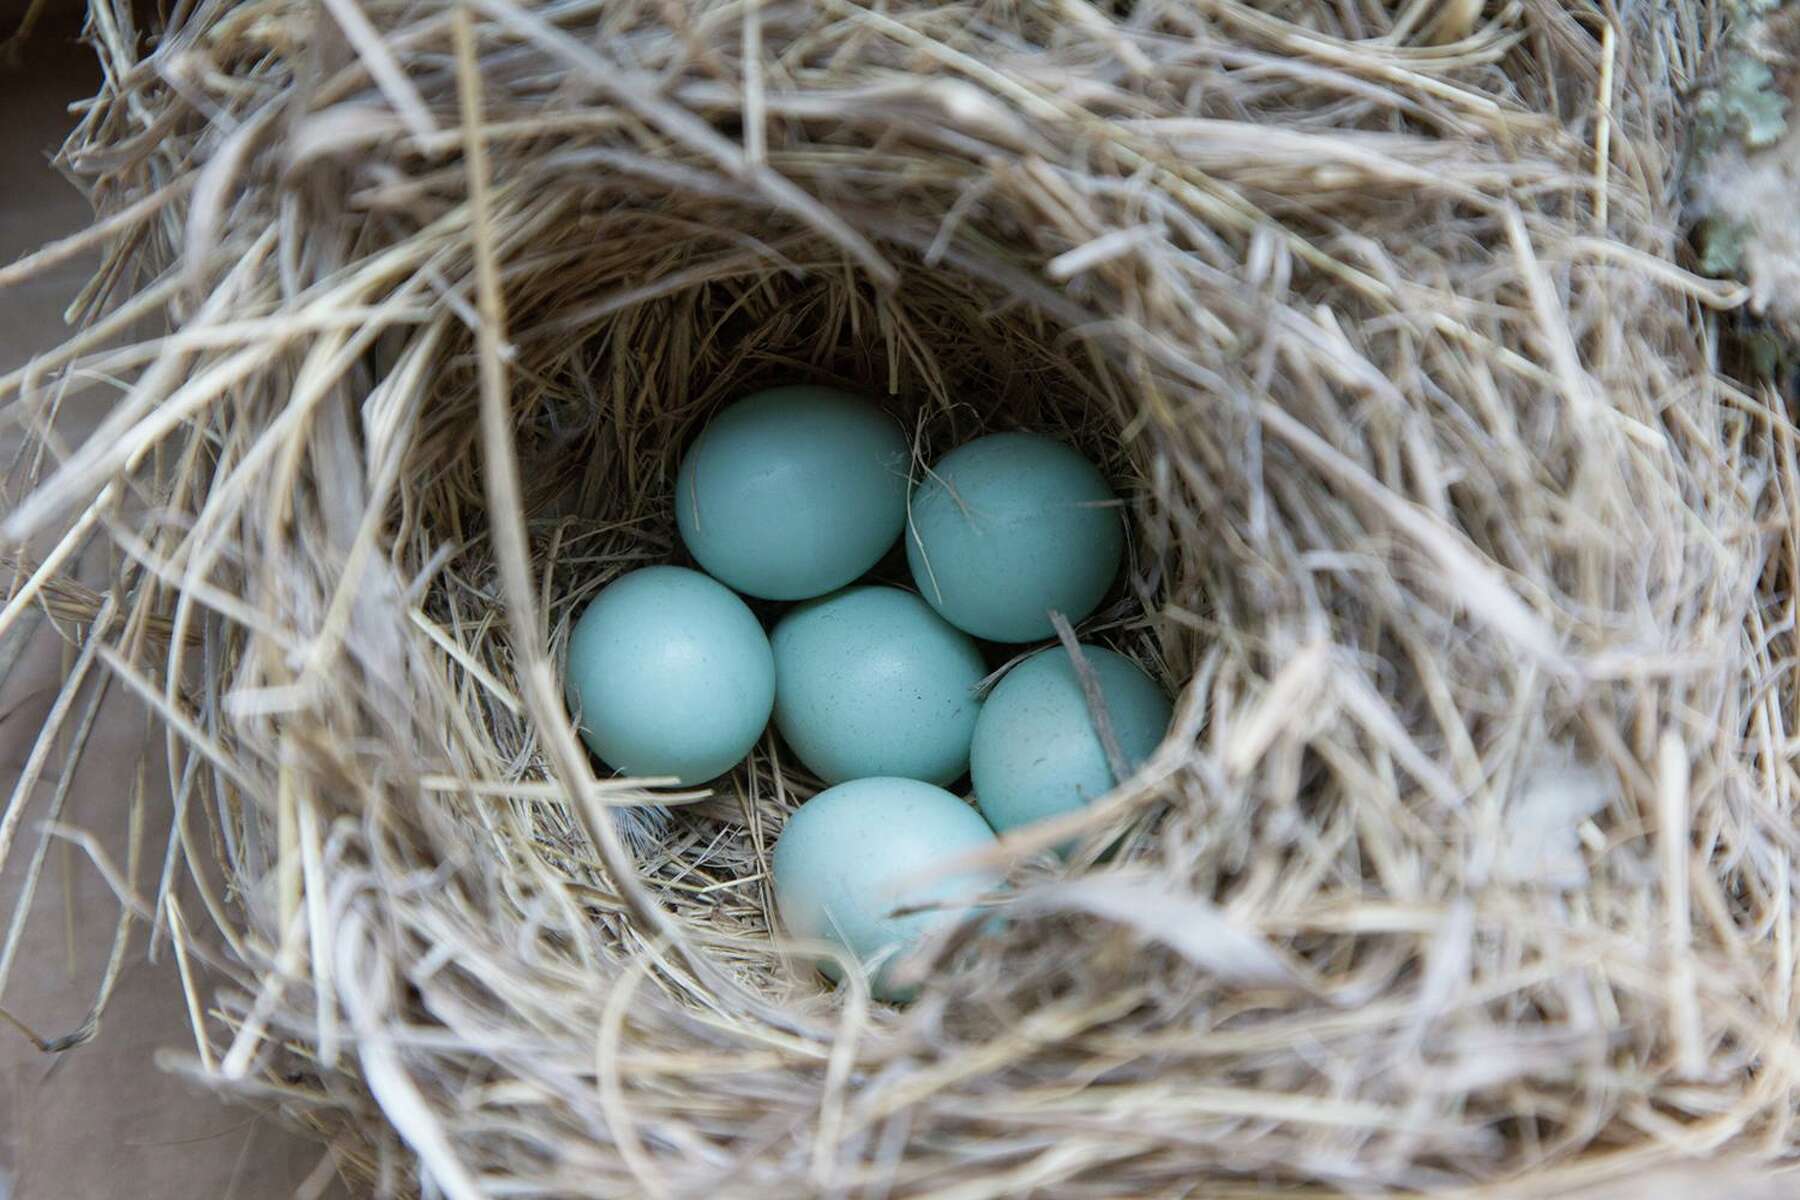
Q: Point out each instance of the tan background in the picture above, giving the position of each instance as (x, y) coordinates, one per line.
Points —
(101, 1120)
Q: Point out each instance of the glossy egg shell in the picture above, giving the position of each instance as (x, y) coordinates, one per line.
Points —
(792, 492)
(1037, 753)
(869, 681)
(854, 853)
(1008, 527)
(670, 674)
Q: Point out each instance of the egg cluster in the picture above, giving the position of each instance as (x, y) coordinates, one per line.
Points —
(793, 494)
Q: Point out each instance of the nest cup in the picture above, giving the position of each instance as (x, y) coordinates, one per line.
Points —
(1465, 859)
(598, 496)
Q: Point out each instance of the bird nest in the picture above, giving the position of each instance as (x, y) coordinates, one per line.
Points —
(1468, 860)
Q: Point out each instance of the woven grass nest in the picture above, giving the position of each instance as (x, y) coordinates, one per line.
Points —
(1468, 864)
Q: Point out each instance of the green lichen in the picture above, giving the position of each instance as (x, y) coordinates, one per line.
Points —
(1741, 113)
(1721, 244)
(1745, 105)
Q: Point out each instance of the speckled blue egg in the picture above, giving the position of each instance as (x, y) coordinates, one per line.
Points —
(1037, 753)
(854, 853)
(1008, 527)
(869, 681)
(670, 674)
(793, 491)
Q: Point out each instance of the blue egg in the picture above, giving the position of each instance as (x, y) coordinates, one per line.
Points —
(869, 681)
(793, 491)
(670, 674)
(854, 853)
(1037, 753)
(1008, 527)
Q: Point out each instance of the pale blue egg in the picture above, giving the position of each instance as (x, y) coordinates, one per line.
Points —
(856, 852)
(1037, 753)
(869, 681)
(793, 491)
(670, 674)
(1006, 528)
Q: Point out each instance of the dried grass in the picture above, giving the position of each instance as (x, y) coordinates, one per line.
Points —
(1468, 864)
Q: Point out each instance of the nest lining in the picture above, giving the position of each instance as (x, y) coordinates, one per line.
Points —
(1467, 862)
